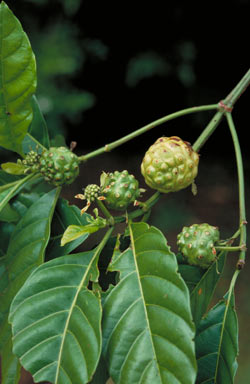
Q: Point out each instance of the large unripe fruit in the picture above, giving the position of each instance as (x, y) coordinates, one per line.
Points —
(59, 166)
(197, 244)
(120, 189)
(170, 164)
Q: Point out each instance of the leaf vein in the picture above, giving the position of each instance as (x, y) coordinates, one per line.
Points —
(39, 344)
(120, 319)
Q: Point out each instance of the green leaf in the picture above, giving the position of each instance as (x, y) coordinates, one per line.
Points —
(17, 81)
(9, 214)
(38, 128)
(6, 230)
(5, 178)
(217, 344)
(37, 137)
(30, 143)
(11, 368)
(13, 168)
(147, 328)
(8, 191)
(25, 252)
(65, 215)
(202, 285)
(56, 320)
(73, 232)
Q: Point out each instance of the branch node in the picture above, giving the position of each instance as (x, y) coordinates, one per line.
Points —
(243, 247)
(240, 265)
(224, 107)
(244, 222)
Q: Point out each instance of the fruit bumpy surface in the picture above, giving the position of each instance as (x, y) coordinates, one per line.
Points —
(197, 244)
(120, 190)
(170, 164)
(92, 192)
(31, 162)
(59, 166)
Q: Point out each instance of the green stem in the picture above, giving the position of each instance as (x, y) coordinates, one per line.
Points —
(233, 96)
(139, 212)
(242, 209)
(109, 147)
(231, 249)
(229, 102)
(210, 128)
(105, 211)
(104, 240)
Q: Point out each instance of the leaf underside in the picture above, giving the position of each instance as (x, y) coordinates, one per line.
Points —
(147, 327)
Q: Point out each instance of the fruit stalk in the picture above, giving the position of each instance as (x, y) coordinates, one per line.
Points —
(117, 143)
(242, 209)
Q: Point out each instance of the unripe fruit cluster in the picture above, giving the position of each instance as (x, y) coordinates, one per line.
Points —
(120, 189)
(170, 164)
(59, 166)
(197, 244)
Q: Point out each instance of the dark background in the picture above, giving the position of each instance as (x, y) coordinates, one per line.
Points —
(108, 68)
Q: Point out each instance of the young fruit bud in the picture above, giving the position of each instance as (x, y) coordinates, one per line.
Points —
(31, 162)
(170, 164)
(120, 189)
(92, 192)
(197, 244)
(59, 166)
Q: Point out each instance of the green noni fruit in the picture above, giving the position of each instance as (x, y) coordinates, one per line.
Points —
(170, 164)
(59, 166)
(197, 244)
(120, 189)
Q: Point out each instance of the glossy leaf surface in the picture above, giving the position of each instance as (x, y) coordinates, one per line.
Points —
(217, 344)
(56, 320)
(147, 327)
(17, 81)
(25, 251)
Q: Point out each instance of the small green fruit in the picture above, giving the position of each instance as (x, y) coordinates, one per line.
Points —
(92, 192)
(197, 244)
(31, 162)
(170, 164)
(120, 189)
(59, 166)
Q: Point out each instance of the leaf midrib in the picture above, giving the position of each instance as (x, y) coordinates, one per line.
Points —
(142, 296)
(69, 316)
